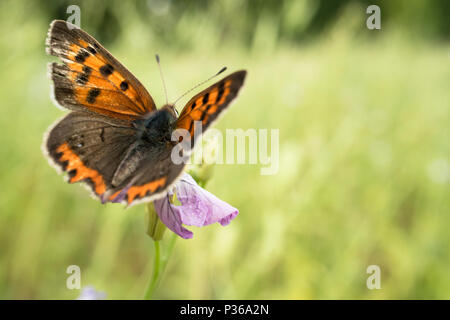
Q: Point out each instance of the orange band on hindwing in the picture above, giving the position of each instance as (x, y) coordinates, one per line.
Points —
(77, 170)
(141, 191)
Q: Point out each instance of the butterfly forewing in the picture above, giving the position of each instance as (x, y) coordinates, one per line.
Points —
(210, 103)
(91, 79)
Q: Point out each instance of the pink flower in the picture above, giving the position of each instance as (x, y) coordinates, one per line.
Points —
(198, 208)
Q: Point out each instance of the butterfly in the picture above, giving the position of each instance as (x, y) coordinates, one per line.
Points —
(114, 139)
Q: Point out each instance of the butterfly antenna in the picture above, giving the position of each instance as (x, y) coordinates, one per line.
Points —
(201, 83)
(162, 77)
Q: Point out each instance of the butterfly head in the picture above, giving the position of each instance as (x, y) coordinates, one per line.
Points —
(171, 109)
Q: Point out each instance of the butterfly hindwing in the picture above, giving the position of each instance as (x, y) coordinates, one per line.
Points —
(151, 180)
(89, 148)
(210, 103)
(91, 79)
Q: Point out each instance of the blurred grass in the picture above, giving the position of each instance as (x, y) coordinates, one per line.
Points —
(363, 177)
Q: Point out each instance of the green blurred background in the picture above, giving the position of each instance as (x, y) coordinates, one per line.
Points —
(364, 152)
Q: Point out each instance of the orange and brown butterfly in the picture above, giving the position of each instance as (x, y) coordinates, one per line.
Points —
(115, 139)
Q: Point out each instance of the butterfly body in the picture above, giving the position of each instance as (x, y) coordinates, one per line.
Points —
(158, 126)
(115, 139)
(153, 137)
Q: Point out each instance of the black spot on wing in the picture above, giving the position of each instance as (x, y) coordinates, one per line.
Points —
(92, 95)
(193, 106)
(64, 164)
(83, 77)
(72, 173)
(91, 50)
(106, 70)
(81, 56)
(124, 85)
(205, 98)
(221, 91)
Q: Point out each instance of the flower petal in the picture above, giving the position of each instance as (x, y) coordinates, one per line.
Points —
(198, 208)
(170, 216)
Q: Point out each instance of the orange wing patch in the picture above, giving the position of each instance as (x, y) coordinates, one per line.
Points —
(208, 104)
(87, 56)
(137, 192)
(78, 171)
(205, 107)
(141, 191)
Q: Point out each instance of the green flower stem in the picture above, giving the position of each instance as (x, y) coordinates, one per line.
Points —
(156, 272)
(156, 231)
(159, 265)
(168, 253)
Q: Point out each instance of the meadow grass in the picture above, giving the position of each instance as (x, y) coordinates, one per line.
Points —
(363, 175)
